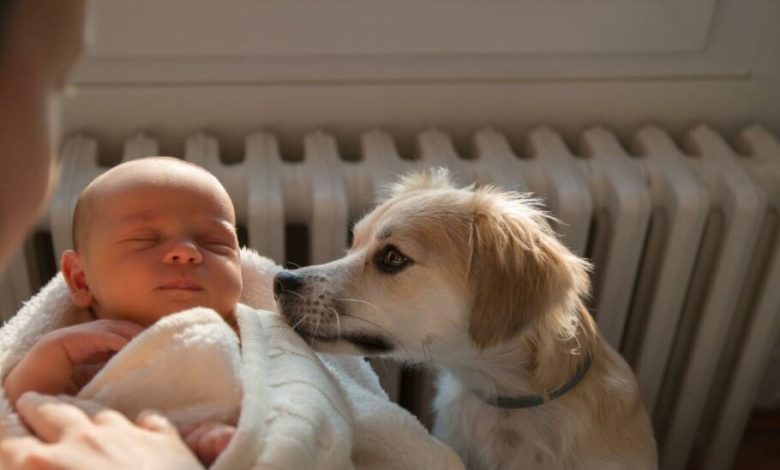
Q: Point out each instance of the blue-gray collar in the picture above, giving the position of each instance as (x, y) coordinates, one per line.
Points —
(528, 401)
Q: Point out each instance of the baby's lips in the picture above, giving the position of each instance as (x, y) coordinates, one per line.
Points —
(182, 284)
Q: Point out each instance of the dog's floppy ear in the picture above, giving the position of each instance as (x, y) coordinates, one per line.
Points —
(518, 268)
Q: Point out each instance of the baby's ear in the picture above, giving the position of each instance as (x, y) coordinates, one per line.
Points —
(72, 268)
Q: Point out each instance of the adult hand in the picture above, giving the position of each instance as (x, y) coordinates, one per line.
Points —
(63, 360)
(68, 438)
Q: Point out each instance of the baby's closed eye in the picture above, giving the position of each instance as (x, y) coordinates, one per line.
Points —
(218, 245)
(141, 239)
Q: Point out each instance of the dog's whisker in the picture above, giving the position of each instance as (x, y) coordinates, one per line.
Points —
(384, 365)
(338, 321)
(316, 330)
(384, 330)
(303, 318)
(425, 352)
(300, 296)
(317, 326)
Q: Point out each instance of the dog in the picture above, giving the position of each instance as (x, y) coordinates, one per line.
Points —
(475, 282)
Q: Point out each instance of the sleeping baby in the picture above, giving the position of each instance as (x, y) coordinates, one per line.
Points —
(152, 237)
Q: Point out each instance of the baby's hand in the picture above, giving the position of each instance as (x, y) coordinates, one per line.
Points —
(208, 440)
(55, 364)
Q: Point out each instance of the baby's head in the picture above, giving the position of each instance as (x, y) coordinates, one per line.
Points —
(152, 237)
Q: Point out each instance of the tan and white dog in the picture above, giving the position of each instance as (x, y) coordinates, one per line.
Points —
(475, 283)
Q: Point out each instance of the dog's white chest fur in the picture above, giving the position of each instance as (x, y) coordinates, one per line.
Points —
(553, 436)
(488, 437)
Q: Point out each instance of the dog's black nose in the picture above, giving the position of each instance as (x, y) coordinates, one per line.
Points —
(287, 281)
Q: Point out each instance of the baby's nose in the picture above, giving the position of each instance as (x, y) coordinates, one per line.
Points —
(184, 253)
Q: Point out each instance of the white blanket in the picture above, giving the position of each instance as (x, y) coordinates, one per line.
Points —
(294, 409)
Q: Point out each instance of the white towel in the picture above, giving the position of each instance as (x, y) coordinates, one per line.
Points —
(296, 409)
(186, 366)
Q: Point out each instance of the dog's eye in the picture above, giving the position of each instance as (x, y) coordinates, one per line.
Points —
(390, 260)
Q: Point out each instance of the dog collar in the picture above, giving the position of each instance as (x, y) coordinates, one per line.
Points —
(529, 401)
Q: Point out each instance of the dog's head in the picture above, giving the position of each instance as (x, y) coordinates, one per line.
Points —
(432, 270)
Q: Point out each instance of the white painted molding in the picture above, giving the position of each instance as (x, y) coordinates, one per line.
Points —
(207, 41)
(207, 28)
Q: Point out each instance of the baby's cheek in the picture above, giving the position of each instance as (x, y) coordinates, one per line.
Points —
(119, 290)
(230, 292)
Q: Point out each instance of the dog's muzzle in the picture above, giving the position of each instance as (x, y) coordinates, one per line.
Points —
(286, 281)
(314, 315)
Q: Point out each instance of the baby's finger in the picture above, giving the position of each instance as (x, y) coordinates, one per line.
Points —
(82, 347)
(154, 421)
(219, 438)
(84, 342)
(48, 416)
(210, 440)
(126, 329)
(194, 437)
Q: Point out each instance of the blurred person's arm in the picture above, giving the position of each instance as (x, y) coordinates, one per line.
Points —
(40, 41)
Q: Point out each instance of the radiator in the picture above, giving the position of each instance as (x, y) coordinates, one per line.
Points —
(684, 238)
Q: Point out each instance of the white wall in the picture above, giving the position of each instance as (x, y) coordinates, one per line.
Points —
(169, 68)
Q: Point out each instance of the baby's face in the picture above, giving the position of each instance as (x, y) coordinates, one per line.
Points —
(155, 248)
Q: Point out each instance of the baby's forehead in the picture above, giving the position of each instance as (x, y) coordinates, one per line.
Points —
(145, 191)
(136, 185)
(156, 171)
(153, 198)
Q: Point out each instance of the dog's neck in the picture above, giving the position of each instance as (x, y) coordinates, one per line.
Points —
(498, 372)
(533, 363)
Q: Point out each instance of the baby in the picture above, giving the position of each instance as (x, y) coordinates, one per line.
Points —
(151, 237)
